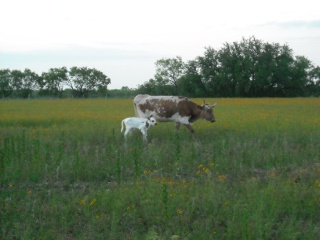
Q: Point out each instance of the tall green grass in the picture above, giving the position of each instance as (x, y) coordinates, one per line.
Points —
(67, 172)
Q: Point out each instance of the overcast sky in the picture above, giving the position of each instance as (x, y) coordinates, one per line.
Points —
(124, 38)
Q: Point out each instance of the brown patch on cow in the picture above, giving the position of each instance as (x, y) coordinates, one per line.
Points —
(167, 107)
(163, 108)
(187, 108)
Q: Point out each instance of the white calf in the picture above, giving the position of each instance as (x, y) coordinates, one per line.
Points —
(143, 124)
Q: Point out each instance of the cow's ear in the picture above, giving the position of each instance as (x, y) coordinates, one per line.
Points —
(147, 124)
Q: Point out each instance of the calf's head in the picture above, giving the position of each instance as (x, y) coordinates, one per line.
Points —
(151, 121)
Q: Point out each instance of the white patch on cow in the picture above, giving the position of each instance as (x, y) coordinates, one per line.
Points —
(177, 118)
(174, 99)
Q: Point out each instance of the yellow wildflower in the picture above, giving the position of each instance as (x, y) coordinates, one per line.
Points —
(222, 177)
(179, 211)
(272, 174)
(93, 201)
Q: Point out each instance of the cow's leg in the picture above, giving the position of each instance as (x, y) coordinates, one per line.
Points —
(189, 127)
(177, 126)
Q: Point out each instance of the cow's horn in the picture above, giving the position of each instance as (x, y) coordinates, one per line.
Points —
(213, 105)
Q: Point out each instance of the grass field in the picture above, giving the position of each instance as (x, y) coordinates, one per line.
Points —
(67, 173)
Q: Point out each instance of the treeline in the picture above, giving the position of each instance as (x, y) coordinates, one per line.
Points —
(250, 68)
(57, 82)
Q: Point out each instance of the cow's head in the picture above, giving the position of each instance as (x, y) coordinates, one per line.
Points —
(207, 112)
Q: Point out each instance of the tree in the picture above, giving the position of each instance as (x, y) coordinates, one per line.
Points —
(191, 83)
(264, 71)
(282, 72)
(24, 83)
(300, 76)
(53, 81)
(253, 68)
(249, 68)
(6, 84)
(209, 70)
(99, 81)
(169, 71)
(230, 61)
(313, 84)
(83, 80)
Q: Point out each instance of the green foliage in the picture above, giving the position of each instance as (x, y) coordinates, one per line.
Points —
(53, 81)
(84, 82)
(66, 172)
(124, 92)
(250, 68)
(23, 83)
(169, 71)
(6, 86)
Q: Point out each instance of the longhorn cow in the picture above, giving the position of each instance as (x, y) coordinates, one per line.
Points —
(172, 109)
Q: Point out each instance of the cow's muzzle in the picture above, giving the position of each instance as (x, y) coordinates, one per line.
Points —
(213, 120)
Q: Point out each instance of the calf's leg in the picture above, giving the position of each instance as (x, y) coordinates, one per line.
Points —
(144, 134)
(127, 131)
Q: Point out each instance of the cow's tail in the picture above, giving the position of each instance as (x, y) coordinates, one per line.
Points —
(122, 127)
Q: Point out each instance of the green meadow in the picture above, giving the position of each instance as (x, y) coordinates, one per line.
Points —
(66, 172)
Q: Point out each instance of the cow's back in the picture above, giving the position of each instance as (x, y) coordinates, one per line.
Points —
(163, 108)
